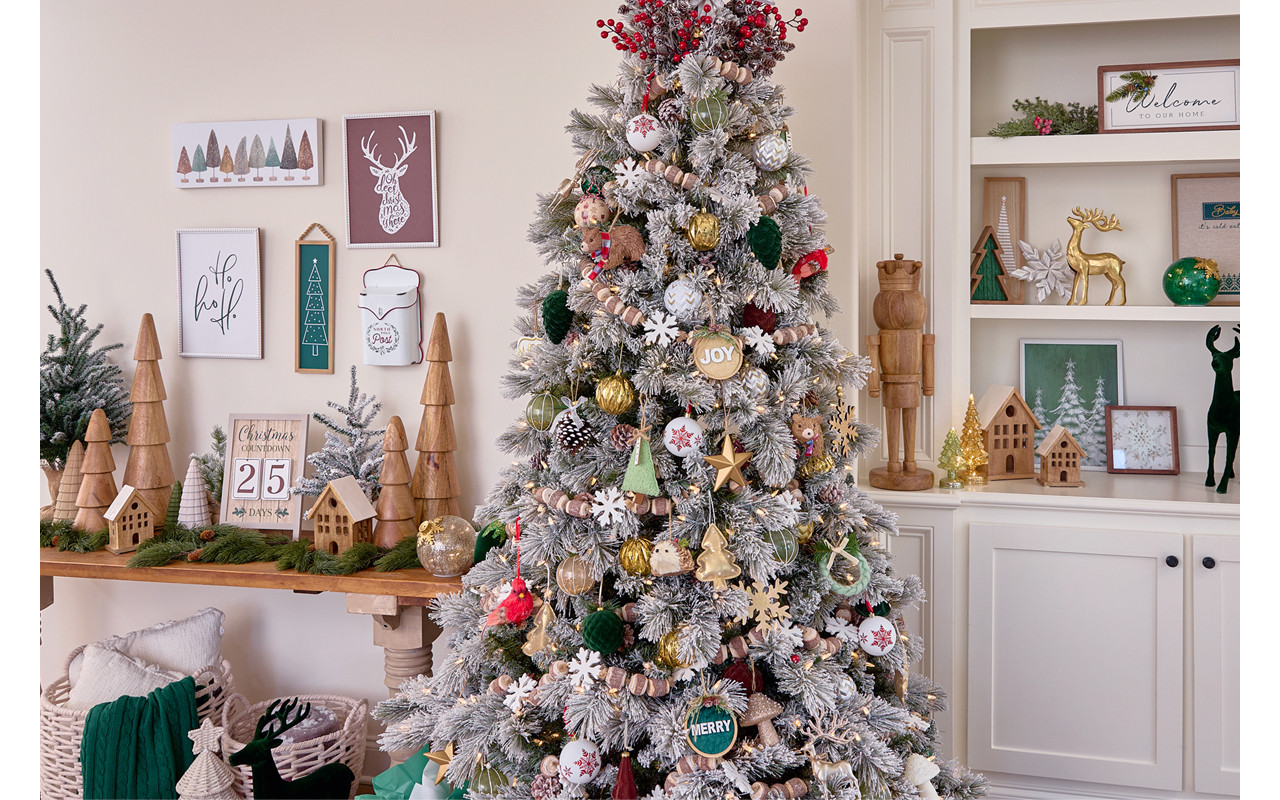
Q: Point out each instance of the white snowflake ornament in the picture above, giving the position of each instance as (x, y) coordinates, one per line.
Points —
(585, 668)
(841, 628)
(660, 329)
(1049, 270)
(735, 775)
(519, 695)
(610, 506)
(758, 340)
(628, 173)
(877, 636)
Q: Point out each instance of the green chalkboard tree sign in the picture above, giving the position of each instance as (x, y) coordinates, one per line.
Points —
(314, 313)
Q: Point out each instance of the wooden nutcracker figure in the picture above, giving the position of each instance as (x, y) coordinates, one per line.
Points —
(901, 370)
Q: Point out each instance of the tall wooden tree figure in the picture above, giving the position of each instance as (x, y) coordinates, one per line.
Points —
(435, 476)
(305, 159)
(97, 485)
(64, 505)
(148, 468)
(397, 509)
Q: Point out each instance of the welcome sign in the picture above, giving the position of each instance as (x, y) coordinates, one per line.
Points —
(1184, 95)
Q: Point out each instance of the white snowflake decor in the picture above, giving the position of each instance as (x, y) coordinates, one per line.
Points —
(661, 329)
(519, 695)
(585, 668)
(841, 628)
(735, 775)
(610, 506)
(791, 502)
(758, 340)
(793, 635)
(1049, 270)
(628, 173)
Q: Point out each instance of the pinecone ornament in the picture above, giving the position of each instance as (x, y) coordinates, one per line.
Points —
(670, 112)
(571, 433)
(545, 787)
(832, 494)
(622, 437)
(538, 460)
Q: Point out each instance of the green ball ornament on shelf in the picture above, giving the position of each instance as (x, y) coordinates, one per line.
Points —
(1192, 281)
(557, 317)
(594, 179)
(765, 239)
(602, 631)
(542, 410)
(785, 545)
(708, 113)
(490, 536)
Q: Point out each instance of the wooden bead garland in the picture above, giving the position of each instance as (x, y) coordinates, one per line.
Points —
(615, 678)
(614, 305)
(579, 506)
(793, 788)
(671, 173)
(794, 333)
(640, 504)
(768, 202)
(731, 71)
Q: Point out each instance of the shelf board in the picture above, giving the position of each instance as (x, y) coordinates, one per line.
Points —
(1103, 313)
(1106, 148)
(1007, 14)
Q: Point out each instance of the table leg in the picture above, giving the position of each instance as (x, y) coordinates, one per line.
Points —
(46, 591)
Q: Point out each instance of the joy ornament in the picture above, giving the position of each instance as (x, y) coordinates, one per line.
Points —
(717, 354)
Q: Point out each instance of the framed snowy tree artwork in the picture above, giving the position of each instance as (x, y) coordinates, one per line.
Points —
(313, 301)
(390, 165)
(1070, 382)
(1004, 208)
(1142, 440)
(219, 293)
(252, 153)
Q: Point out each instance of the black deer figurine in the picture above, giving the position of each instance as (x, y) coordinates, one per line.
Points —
(1224, 409)
(329, 782)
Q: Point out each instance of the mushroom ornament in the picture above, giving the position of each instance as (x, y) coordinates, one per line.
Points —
(761, 710)
(919, 771)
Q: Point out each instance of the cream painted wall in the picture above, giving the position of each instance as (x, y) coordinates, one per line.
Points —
(501, 76)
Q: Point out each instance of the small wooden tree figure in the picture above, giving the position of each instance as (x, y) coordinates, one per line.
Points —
(973, 451)
(148, 467)
(193, 512)
(949, 460)
(435, 476)
(64, 505)
(991, 282)
(396, 507)
(97, 486)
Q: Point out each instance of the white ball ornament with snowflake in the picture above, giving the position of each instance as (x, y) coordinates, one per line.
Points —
(644, 132)
(877, 636)
(579, 762)
(682, 436)
(682, 298)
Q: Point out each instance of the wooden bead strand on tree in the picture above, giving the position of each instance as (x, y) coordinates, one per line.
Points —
(579, 506)
(794, 333)
(731, 71)
(671, 173)
(614, 305)
(768, 202)
(640, 504)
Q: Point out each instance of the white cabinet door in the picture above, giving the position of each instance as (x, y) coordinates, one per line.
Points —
(1215, 642)
(1075, 654)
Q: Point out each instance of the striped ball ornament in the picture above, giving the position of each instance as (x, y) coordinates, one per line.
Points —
(770, 152)
(682, 298)
(708, 113)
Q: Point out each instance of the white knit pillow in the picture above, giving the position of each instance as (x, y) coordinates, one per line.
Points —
(183, 645)
(107, 674)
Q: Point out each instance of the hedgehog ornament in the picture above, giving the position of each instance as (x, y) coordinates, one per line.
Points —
(669, 558)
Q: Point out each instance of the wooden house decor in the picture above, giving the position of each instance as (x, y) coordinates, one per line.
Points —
(342, 516)
(435, 476)
(1008, 430)
(1060, 459)
(131, 520)
(989, 278)
(148, 467)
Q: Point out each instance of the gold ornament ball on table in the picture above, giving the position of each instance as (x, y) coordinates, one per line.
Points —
(704, 231)
(446, 546)
(634, 555)
(667, 651)
(573, 576)
(615, 394)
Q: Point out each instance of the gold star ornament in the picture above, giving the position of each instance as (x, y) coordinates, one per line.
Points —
(443, 758)
(728, 464)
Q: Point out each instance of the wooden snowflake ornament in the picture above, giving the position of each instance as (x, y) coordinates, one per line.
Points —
(765, 605)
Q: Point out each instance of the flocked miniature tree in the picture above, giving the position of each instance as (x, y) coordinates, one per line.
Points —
(305, 159)
(148, 468)
(435, 475)
(351, 445)
(639, 685)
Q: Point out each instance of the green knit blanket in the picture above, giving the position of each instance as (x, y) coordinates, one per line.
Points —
(137, 747)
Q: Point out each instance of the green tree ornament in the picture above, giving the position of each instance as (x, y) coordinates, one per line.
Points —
(557, 317)
(641, 477)
(949, 460)
(987, 271)
(765, 239)
(175, 503)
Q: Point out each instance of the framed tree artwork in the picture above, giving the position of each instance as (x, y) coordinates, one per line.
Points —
(313, 301)
(266, 454)
(1070, 382)
(249, 154)
(1142, 440)
(1206, 224)
(390, 165)
(219, 293)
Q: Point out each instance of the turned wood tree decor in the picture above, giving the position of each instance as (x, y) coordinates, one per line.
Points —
(397, 509)
(148, 468)
(64, 505)
(435, 476)
(97, 485)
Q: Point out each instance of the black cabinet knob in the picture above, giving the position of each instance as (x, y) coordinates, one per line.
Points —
(1209, 563)
(1171, 561)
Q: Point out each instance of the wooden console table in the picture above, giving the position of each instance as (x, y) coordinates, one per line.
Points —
(394, 599)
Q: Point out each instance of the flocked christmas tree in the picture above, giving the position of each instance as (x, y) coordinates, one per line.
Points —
(778, 665)
(351, 445)
(1070, 412)
(1094, 438)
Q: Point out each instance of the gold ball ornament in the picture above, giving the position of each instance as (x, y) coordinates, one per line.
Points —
(704, 231)
(615, 394)
(573, 576)
(804, 532)
(822, 463)
(634, 555)
(668, 655)
(446, 546)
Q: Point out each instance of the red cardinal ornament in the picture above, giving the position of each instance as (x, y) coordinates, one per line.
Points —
(625, 787)
(810, 264)
(516, 608)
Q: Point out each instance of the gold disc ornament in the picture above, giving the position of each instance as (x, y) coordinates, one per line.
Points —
(717, 354)
(668, 654)
(573, 576)
(634, 555)
(704, 231)
(615, 394)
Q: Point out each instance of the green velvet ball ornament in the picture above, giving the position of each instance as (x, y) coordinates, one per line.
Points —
(602, 631)
(594, 179)
(556, 315)
(765, 239)
(491, 536)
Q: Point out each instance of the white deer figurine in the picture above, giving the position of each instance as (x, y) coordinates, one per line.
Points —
(394, 211)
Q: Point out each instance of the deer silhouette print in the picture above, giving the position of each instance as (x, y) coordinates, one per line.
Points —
(394, 211)
(329, 782)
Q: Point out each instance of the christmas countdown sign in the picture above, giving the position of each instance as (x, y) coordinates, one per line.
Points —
(266, 453)
(313, 304)
(391, 316)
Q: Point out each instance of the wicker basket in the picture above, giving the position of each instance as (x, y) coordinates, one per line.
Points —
(347, 744)
(61, 728)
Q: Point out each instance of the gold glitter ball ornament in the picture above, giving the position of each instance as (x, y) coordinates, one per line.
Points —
(615, 394)
(573, 576)
(634, 555)
(813, 466)
(446, 546)
(704, 231)
(804, 532)
(667, 652)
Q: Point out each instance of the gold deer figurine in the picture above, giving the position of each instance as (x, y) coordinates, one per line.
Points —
(1085, 264)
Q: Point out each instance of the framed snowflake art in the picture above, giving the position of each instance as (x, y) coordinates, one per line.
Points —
(1142, 440)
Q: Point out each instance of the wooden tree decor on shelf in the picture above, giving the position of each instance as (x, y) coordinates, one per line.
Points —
(64, 505)
(148, 468)
(990, 281)
(435, 476)
(97, 486)
(397, 509)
